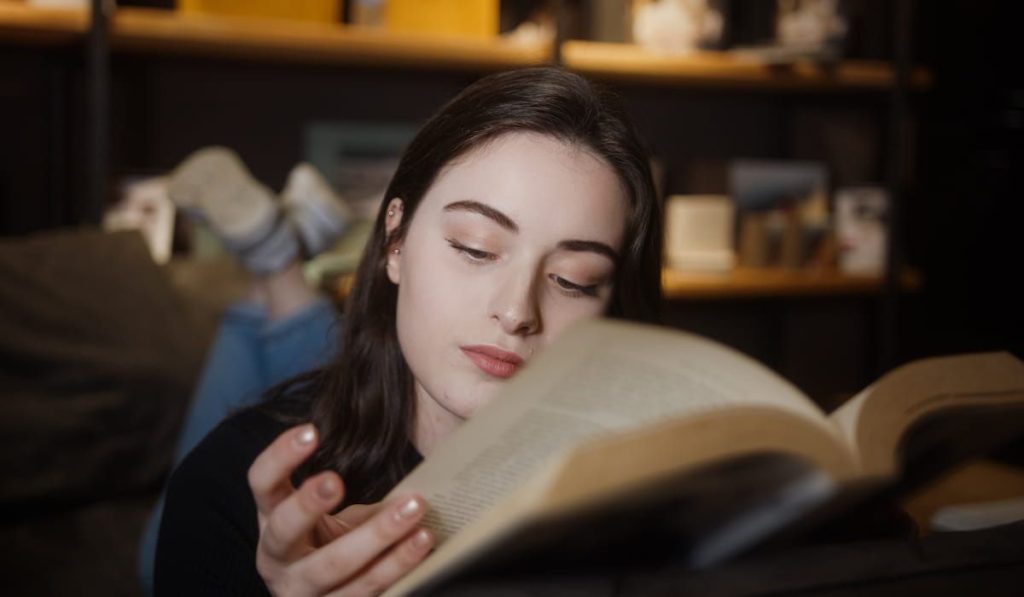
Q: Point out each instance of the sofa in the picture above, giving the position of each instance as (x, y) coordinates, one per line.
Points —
(99, 351)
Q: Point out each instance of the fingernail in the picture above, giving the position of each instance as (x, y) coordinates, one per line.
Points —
(409, 509)
(326, 489)
(305, 437)
(420, 539)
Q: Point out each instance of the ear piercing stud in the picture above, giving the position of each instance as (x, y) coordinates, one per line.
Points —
(391, 213)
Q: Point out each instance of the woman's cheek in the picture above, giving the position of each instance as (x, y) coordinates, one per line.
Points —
(450, 288)
(558, 312)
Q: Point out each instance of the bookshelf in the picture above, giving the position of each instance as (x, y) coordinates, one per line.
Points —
(167, 32)
(707, 105)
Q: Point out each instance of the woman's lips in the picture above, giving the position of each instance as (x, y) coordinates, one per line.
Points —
(493, 360)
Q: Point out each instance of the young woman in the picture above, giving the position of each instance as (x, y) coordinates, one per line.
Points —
(524, 205)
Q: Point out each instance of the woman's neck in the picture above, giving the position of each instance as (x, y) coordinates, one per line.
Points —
(433, 422)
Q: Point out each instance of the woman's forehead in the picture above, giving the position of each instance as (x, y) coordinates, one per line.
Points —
(538, 181)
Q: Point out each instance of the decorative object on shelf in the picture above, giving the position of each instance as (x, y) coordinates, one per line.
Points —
(699, 232)
(812, 30)
(810, 24)
(145, 206)
(764, 184)
(783, 211)
(675, 26)
(367, 13)
(479, 18)
(320, 11)
(537, 28)
(754, 244)
(861, 216)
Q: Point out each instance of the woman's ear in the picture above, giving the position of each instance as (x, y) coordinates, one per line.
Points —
(394, 248)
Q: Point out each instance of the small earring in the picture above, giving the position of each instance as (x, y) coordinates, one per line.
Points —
(397, 251)
(391, 213)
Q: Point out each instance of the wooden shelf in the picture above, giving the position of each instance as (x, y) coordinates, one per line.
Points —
(274, 40)
(24, 24)
(753, 283)
(631, 63)
(772, 282)
(278, 40)
(268, 40)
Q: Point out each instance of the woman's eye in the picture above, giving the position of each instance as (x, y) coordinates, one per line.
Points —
(573, 289)
(475, 255)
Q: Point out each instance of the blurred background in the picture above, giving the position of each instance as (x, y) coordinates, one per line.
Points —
(841, 178)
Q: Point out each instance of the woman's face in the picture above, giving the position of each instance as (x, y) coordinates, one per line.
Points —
(512, 243)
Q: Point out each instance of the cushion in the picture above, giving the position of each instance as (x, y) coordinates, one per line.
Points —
(98, 355)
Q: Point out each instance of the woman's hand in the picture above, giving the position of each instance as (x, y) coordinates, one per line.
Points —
(304, 550)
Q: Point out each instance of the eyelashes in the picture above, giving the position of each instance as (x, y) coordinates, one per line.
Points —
(566, 287)
(473, 255)
(573, 289)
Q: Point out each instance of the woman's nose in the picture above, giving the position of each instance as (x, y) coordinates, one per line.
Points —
(515, 307)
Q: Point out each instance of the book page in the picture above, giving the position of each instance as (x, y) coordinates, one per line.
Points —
(874, 421)
(600, 377)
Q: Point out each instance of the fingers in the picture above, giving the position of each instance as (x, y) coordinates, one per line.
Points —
(372, 546)
(329, 528)
(394, 565)
(270, 474)
(353, 552)
(357, 514)
(286, 534)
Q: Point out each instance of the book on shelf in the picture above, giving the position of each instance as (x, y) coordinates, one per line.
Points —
(620, 429)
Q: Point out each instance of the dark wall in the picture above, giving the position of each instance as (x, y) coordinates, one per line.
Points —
(966, 226)
(34, 119)
(167, 107)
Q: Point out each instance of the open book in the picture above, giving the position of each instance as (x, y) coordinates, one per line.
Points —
(617, 421)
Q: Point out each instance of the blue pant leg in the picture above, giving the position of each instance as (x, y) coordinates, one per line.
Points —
(233, 374)
(304, 341)
(251, 354)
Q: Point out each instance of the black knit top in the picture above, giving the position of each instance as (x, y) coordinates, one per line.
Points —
(209, 530)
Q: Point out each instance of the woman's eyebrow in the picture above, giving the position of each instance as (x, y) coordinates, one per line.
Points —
(590, 246)
(484, 210)
(506, 222)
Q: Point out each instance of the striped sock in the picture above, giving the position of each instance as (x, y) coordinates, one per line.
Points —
(319, 216)
(215, 186)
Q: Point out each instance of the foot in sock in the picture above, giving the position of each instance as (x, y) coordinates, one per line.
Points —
(319, 216)
(215, 185)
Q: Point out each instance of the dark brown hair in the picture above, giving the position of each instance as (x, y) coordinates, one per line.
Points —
(363, 404)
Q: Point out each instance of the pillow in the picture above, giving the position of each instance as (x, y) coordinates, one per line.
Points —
(98, 356)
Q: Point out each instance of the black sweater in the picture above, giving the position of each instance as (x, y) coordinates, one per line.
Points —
(209, 530)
